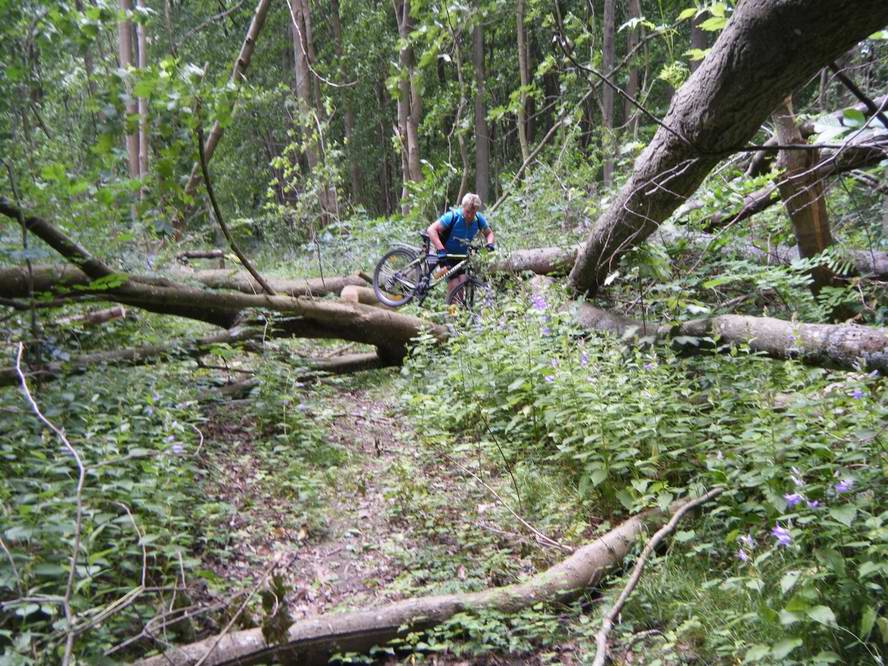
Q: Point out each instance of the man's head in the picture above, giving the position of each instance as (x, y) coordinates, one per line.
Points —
(471, 203)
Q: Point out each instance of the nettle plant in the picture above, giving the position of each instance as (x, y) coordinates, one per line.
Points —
(797, 542)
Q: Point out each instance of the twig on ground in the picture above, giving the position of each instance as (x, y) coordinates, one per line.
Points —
(663, 532)
(199, 447)
(539, 535)
(78, 499)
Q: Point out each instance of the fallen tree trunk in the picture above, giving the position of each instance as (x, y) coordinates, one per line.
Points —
(314, 640)
(842, 346)
(133, 356)
(751, 67)
(244, 282)
(865, 263)
(94, 317)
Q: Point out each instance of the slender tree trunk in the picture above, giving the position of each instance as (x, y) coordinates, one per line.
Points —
(143, 104)
(524, 77)
(751, 68)
(349, 115)
(698, 38)
(408, 98)
(607, 93)
(633, 35)
(482, 134)
(802, 194)
(237, 74)
(385, 174)
(125, 59)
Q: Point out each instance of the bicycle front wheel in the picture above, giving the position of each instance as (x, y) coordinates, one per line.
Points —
(472, 295)
(396, 276)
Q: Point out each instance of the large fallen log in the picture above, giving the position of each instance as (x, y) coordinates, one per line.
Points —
(751, 67)
(241, 281)
(842, 346)
(314, 640)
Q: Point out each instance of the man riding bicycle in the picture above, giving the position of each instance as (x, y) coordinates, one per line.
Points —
(454, 230)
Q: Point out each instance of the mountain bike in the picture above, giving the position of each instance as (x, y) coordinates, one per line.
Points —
(404, 273)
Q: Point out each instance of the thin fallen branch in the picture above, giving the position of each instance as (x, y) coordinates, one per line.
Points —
(662, 533)
(78, 499)
(231, 242)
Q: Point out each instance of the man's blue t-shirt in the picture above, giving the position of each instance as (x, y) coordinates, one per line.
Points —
(461, 232)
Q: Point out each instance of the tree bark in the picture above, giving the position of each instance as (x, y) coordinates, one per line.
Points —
(633, 8)
(524, 78)
(354, 169)
(125, 59)
(314, 640)
(751, 67)
(698, 38)
(143, 102)
(607, 93)
(482, 133)
(408, 102)
(802, 194)
(842, 346)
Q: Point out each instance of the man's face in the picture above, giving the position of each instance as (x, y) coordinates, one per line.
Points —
(469, 212)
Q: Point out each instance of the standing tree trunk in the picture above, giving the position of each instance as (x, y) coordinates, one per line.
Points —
(482, 134)
(607, 93)
(698, 38)
(632, 83)
(524, 74)
(750, 69)
(125, 58)
(349, 115)
(309, 95)
(408, 102)
(143, 102)
(802, 194)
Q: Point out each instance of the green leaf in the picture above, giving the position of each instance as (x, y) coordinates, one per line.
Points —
(882, 623)
(844, 513)
(686, 14)
(598, 476)
(788, 617)
(827, 657)
(683, 536)
(854, 117)
(869, 567)
(784, 647)
(867, 622)
(757, 653)
(789, 580)
(713, 24)
(49, 569)
(823, 615)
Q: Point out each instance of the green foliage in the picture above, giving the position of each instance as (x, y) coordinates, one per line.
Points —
(799, 534)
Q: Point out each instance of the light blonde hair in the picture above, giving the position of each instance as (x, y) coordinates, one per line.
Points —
(473, 200)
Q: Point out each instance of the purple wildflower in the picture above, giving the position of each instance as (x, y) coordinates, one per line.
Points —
(546, 330)
(742, 556)
(844, 486)
(554, 362)
(747, 541)
(792, 499)
(648, 366)
(584, 359)
(782, 535)
(177, 449)
(548, 379)
(538, 302)
(796, 477)
(301, 406)
(857, 394)
(812, 504)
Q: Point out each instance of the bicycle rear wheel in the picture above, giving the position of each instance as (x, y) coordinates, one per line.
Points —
(396, 276)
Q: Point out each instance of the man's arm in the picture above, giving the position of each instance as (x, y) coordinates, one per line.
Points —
(434, 230)
(488, 236)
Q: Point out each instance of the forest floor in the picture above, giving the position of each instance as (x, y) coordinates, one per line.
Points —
(396, 519)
